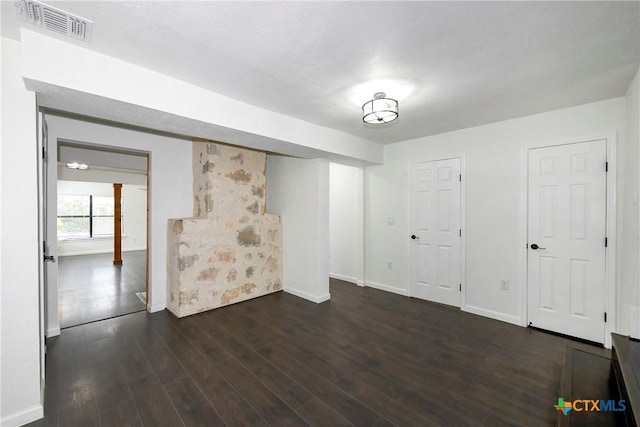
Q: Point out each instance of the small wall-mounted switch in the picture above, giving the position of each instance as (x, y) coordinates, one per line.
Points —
(391, 220)
(504, 285)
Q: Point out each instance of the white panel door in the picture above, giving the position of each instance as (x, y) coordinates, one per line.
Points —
(566, 239)
(434, 220)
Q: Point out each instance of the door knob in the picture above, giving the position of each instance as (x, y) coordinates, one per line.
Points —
(49, 258)
(535, 247)
(414, 237)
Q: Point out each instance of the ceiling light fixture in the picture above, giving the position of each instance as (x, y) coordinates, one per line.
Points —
(76, 165)
(380, 109)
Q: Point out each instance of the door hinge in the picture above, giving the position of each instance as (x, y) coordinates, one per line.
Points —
(460, 232)
(460, 177)
(460, 287)
(605, 317)
(606, 166)
(606, 242)
(44, 154)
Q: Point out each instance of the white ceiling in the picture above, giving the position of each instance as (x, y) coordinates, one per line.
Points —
(102, 157)
(450, 64)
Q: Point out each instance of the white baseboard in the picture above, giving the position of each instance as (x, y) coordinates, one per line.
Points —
(53, 332)
(493, 314)
(469, 308)
(634, 318)
(343, 278)
(134, 249)
(25, 417)
(305, 295)
(98, 251)
(392, 289)
(155, 308)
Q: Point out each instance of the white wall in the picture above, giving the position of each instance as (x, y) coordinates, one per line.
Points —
(630, 253)
(1, 228)
(298, 189)
(171, 192)
(493, 178)
(20, 345)
(134, 212)
(346, 223)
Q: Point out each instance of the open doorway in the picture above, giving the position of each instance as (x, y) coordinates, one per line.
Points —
(97, 279)
(168, 161)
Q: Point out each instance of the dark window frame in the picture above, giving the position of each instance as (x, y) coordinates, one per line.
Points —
(91, 216)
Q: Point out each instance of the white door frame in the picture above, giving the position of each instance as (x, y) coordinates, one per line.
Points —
(611, 142)
(463, 238)
(51, 309)
(41, 141)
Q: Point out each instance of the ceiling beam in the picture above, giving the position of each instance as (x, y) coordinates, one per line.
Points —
(77, 80)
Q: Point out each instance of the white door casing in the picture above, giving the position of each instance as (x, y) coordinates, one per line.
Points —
(435, 227)
(51, 214)
(567, 206)
(42, 239)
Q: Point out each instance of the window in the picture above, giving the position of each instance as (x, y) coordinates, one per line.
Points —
(85, 216)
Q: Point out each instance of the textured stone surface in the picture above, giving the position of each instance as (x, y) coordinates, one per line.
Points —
(231, 250)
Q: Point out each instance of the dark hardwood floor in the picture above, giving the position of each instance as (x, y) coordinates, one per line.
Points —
(587, 374)
(91, 288)
(364, 358)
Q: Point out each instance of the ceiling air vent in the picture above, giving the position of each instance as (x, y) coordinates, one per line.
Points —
(54, 19)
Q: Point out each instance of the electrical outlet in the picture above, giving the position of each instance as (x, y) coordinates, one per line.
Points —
(504, 285)
(389, 265)
(391, 220)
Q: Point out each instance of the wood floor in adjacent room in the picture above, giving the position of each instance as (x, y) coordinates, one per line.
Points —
(364, 358)
(91, 288)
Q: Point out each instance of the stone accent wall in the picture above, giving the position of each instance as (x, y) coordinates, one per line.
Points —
(231, 250)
